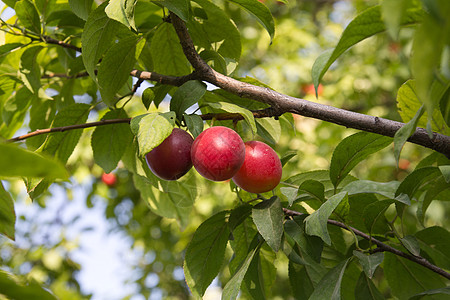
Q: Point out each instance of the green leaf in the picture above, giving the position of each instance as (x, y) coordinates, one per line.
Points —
(414, 180)
(238, 215)
(311, 246)
(366, 290)
(368, 23)
(18, 162)
(386, 189)
(187, 95)
(155, 94)
(352, 150)
(242, 237)
(261, 274)
(30, 72)
(290, 193)
(330, 285)
(233, 108)
(206, 253)
(409, 105)
(316, 223)
(392, 13)
(148, 95)
(287, 156)
(194, 123)
(8, 48)
(15, 108)
(41, 116)
(28, 15)
(97, 37)
(426, 58)
(443, 291)
(82, 8)
(215, 31)
(261, 12)
(407, 278)
(122, 11)
(15, 288)
(169, 199)
(7, 213)
(152, 129)
(445, 170)
(178, 7)
(435, 241)
(218, 62)
(369, 262)
(374, 219)
(167, 54)
(109, 142)
(268, 217)
(231, 289)
(62, 144)
(115, 68)
(411, 244)
(404, 133)
(314, 188)
(269, 129)
(301, 284)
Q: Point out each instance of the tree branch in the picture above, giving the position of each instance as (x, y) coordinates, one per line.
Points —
(382, 247)
(284, 103)
(263, 113)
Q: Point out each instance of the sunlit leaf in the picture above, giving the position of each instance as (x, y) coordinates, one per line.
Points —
(122, 11)
(152, 129)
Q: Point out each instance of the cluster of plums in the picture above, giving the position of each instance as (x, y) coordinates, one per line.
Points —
(218, 154)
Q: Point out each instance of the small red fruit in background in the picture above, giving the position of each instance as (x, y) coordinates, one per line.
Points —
(403, 164)
(172, 158)
(218, 153)
(308, 89)
(109, 179)
(261, 171)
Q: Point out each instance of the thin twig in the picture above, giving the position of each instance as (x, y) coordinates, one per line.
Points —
(381, 246)
(263, 113)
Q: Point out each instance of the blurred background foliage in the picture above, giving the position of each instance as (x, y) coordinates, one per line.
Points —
(49, 232)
